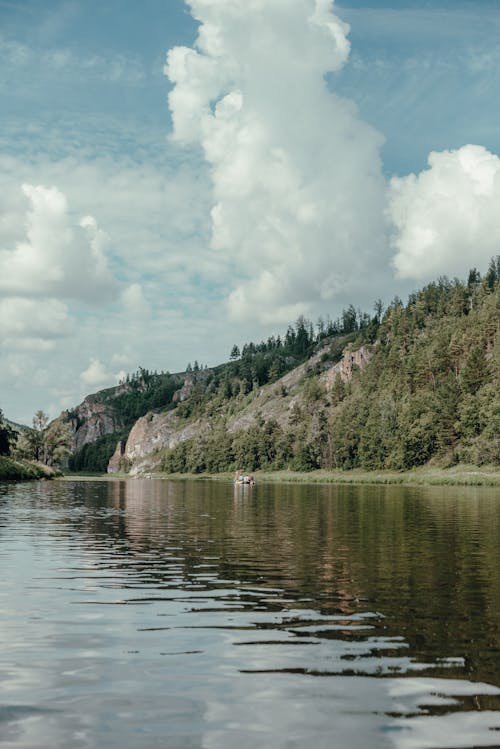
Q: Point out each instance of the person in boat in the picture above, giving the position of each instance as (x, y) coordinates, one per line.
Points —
(243, 478)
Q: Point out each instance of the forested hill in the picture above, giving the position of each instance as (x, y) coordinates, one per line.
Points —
(416, 382)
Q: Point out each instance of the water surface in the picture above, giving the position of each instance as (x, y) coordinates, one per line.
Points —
(140, 614)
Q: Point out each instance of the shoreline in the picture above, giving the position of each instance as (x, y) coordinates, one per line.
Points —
(460, 475)
(24, 470)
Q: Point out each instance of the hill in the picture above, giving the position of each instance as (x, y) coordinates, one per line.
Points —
(416, 383)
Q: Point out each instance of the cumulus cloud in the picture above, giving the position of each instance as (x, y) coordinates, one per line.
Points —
(45, 319)
(446, 217)
(97, 375)
(298, 193)
(60, 257)
(135, 302)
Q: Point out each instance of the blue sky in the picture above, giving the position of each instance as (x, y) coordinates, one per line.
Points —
(154, 232)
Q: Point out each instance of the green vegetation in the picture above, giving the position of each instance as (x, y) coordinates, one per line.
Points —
(432, 389)
(23, 470)
(430, 393)
(47, 443)
(8, 436)
(95, 455)
(12, 468)
(137, 394)
(256, 365)
(459, 475)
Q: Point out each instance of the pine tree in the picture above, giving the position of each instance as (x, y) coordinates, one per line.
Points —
(475, 372)
(8, 436)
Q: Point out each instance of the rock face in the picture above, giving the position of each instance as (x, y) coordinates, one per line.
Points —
(89, 421)
(346, 366)
(115, 462)
(151, 433)
(185, 391)
(277, 401)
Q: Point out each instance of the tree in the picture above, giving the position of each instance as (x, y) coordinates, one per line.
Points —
(8, 436)
(235, 353)
(474, 278)
(493, 273)
(378, 307)
(301, 337)
(476, 370)
(48, 443)
(349, 320)
(35, 436)
(447, 401)
(57, 443)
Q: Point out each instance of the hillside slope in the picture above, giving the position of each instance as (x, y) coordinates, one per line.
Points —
(417, 384)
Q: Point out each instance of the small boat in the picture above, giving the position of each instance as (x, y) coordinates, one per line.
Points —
(243, 478)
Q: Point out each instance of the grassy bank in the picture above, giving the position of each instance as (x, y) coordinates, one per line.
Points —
(455, 476)
(23, 470)
(460, 475)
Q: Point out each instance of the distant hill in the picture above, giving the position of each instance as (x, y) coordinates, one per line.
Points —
(415, 383)
(16, 427)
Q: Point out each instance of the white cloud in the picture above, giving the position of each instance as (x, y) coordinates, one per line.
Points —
(59, 257)
(66, 63)
(96, 375)
(268, 201)
(446, 218)
(155, 212)
(44, 319)
(135, 302)
(166, 276)
(29, 344)
(298, 192)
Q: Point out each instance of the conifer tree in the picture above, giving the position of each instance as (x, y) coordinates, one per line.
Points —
(476, 370)
(8, 436)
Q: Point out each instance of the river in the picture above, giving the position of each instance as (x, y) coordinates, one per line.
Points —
(143, 613)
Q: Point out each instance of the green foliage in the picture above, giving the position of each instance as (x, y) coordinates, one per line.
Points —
(57, 441)
(313, 390)
(20, 470)
(139, 393)
(475, 371)
(8, 436)
(48, 443)
(263, 445)
(431, 390)
(94, 457)
(430, 393)
(35, 437)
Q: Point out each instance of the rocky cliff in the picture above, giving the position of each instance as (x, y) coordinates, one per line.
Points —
(351, 360)
(430, 392)
(279, 401)
(93, 418)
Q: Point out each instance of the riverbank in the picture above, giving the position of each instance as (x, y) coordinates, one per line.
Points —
(460, 475)
(426, 476)
(24, 470)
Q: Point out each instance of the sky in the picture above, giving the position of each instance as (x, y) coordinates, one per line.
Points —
(178, 177)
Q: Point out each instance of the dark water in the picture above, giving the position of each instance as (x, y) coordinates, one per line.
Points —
(146, 614)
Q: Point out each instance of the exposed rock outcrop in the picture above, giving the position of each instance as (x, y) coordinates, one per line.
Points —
(153, 432)
(350, 361)
(185, 391)
(115, 462)
(278, 401)
(89, 421)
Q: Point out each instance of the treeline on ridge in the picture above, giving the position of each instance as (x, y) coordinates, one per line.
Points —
(430, 392)
(256, 365)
